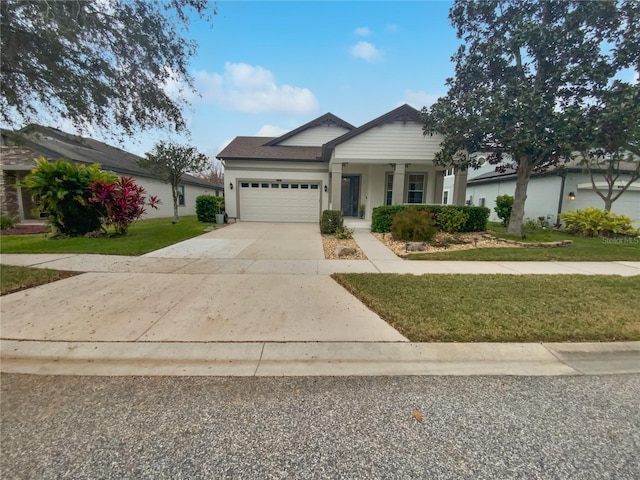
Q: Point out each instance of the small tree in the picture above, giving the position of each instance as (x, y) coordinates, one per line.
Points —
(504, 204)
(612, 140)
(171, 161)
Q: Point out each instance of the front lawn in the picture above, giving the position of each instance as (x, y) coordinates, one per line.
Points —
(502, 308)
(14, 278)
(583, 249)
(143, 237)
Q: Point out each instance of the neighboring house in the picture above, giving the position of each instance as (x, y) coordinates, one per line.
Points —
(21, 149)
(330, 164)
(556, 191)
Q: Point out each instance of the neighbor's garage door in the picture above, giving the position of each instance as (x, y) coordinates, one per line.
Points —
(270, 201)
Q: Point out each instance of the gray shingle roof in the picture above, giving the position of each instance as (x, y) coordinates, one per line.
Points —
(257, 148)
(53, 144)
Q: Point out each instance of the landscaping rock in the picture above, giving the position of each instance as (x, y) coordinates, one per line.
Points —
(344, 251)
(415, 247)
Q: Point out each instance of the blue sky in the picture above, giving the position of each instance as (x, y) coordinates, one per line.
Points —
(268, 67)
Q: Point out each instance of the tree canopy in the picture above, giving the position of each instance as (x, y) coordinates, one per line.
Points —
(104, 63)
(170, 162)
(525, 78)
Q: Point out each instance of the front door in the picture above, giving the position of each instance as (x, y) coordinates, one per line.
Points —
(350, 195)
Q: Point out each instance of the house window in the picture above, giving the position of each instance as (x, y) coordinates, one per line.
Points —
(415, 188)
(181, 195)
(445, 197)
(448, 172)
(244, 185)
(389, 189)
(265, 185)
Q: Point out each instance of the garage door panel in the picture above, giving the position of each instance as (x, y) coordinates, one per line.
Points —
(263, 202)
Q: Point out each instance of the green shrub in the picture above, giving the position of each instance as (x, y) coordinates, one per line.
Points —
(62, 190)
(381, 217)
(477, 217)
(528, 228)
(7, 221)
(331, 221)
(593, 222)
(451, 220)
(208, 206)
(413, 225)
(504, 204)
(343, 233)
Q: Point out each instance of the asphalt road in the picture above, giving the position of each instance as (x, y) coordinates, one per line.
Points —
(319, 427)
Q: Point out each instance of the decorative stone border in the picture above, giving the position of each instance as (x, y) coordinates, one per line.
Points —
(560, 243)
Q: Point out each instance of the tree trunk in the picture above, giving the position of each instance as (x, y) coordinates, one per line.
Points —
(519, 197)
(174, 193)
(607, 204)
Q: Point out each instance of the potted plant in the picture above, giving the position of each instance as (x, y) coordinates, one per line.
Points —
(361, 210)
(219, 210)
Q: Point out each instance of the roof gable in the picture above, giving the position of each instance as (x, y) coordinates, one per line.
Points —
(404, 113)
(326, 120)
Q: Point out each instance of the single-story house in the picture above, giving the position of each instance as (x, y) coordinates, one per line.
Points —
(328, 163)
(555, 191)
(21, 149)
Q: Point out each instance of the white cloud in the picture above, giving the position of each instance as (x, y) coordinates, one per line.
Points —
(253, 89)
(362, 31)
(366, 51)
(419, 99)
(271, 131)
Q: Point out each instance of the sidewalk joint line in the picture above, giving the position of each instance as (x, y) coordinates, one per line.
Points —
(259, 360)
(560, 359)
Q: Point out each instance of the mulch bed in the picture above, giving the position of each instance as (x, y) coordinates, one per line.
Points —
(26, 230)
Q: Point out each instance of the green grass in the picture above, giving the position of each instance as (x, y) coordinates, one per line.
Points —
(502, 308)
(14, 278)
(143, 237)
(583, 249)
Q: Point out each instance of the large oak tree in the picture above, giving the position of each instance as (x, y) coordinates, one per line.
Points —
(104, 63)
(525, 77)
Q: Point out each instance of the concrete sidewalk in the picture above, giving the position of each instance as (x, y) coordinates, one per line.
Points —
(148, 264)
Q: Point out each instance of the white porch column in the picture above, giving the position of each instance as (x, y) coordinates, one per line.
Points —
(439, 186)
(336, 186)
(460, 188)
(432, 179)
(397, 195)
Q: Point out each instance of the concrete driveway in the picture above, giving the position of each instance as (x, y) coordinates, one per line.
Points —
(194, 305)
(252, 240)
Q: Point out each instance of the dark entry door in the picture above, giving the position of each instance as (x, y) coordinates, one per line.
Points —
(350, 195)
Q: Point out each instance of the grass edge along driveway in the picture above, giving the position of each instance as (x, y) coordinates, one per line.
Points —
(502, 308)
(144, 236)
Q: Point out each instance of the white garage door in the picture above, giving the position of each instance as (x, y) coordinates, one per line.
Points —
(271, 201)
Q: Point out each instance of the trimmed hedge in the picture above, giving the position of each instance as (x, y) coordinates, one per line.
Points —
(477, 217)
(207, 206)
(331, 221)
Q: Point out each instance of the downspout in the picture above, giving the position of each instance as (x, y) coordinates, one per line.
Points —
(563, 176)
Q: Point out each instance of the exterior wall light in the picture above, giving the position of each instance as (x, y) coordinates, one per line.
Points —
(572, 196)
(325, 189)
(230, 185)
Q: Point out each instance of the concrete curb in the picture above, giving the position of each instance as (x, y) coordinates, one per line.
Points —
(316, 358)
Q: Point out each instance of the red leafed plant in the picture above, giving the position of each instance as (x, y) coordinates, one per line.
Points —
(121, 203)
